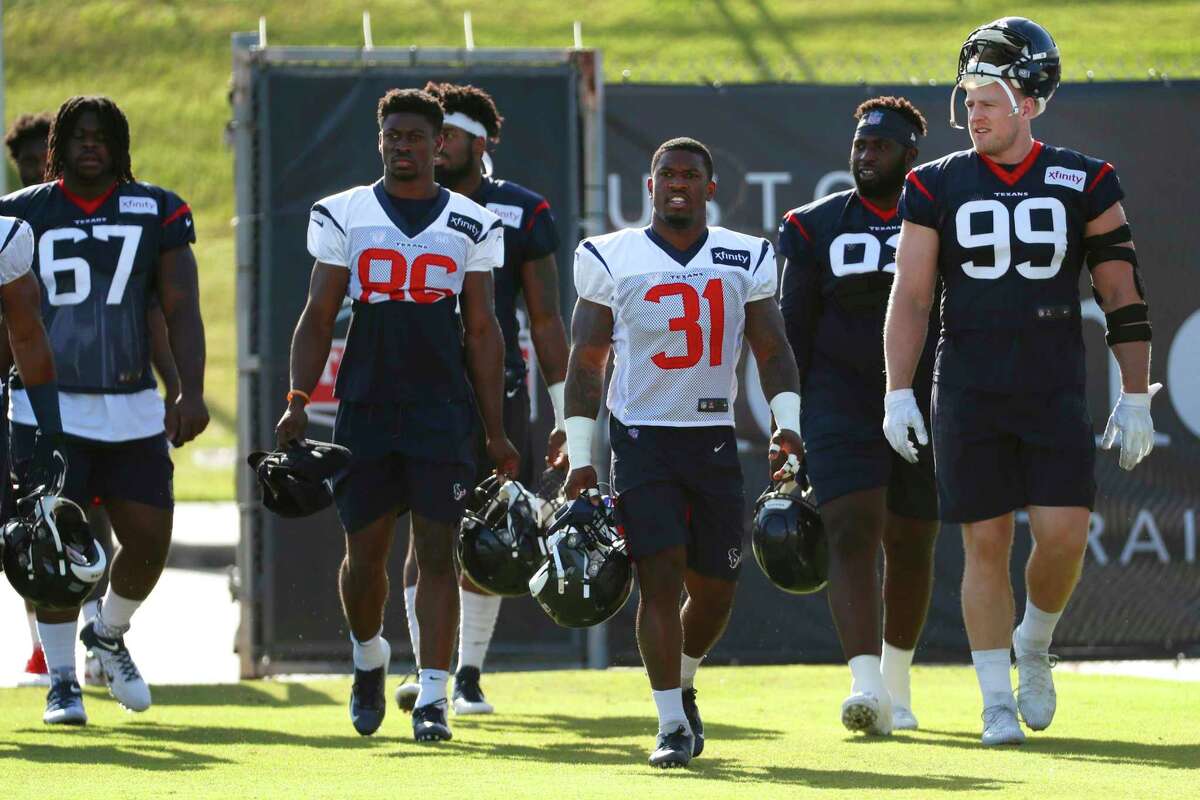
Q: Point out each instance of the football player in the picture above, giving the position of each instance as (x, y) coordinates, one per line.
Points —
(1007, 225)
(673, 301)
(105, 244)
(27, 140)
(530, 239)
(840, 261)
(404, 250)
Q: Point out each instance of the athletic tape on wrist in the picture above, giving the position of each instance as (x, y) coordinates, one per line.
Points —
(579, 440)
(785, 406)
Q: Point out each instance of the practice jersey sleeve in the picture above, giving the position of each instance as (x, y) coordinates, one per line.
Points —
(16, 256)
(766, 278)
(178, 227)
(917, 198)
(1103, 189)
(800, 289)
(327, 237)
(593, 278)
(488, 253)
(540, 233)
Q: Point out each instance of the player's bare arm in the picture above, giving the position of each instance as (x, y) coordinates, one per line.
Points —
(540, 281)
(310, 344)
(907, 320)
(484, 344)
(26, 336)
(591, 337)
(778, 374)
(160, 353)
(179, 292)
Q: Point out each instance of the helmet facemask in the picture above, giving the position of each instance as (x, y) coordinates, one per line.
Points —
(1001, 55)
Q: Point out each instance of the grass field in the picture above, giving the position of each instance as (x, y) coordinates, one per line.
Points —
(772, 732)
(167, 64)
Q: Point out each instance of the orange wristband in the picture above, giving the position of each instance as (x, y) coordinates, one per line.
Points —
(294, 393)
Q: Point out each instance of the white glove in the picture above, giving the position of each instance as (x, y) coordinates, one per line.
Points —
(1131, 419)
(900, 413)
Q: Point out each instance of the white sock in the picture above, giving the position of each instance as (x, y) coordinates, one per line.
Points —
(1035, 631)
(478, 621)
(115, 613)
(992, 670)
(371, 654)
(865, 675)
(433, 686)
(90, 609)
(58, 642)
(33, 628)
(687, 670)
(894, 668)
(670, 710)
(414, 629)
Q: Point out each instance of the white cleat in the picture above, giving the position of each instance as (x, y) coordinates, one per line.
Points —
(1036, 697)
(903, 719)
(1000, 725)
(125, 683)
(406, 696)
(867, 713)
(93, 673)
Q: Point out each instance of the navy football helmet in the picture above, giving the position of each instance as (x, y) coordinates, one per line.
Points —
(588, 575)
(1014, 52)
(50, 555)
(789, 539)
(500, 542)
(295, 479)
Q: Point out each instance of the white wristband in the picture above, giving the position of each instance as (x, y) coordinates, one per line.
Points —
(786, 408)
(579, 440)
(558, 400)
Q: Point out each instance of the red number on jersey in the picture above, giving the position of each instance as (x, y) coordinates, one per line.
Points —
(689, 323)
(398, 275)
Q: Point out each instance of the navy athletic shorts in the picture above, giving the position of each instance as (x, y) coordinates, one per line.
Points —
(680, 486)
(405, 458)
(138, 470)
(999, 452)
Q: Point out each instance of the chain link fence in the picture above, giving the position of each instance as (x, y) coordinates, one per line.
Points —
(932, 71)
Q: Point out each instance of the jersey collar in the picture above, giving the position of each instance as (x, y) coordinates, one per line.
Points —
(413, 231)
(885, 214)
(684, 257)
(1011, 177)
(88, 207)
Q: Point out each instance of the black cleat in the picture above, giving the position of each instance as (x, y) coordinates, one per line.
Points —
(468, 696)
(368, 702)
(429, 723)
(693, 717)
(672, 749)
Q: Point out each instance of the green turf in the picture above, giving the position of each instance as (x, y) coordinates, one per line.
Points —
(773, 732)
(167, 64)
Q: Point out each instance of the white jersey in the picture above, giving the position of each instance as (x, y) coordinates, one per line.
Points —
(16, 249)
(361, 230)
(678, 319)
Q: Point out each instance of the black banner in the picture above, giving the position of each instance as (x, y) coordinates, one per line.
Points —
(780, 146)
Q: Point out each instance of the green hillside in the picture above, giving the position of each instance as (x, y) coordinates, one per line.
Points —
(167, 64)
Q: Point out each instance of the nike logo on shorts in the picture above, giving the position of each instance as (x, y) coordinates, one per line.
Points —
(717, 449)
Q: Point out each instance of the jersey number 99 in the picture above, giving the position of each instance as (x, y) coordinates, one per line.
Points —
(1022, 225)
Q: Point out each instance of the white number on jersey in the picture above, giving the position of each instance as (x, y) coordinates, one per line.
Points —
(998, 238)
(50, 267)
(870, 257)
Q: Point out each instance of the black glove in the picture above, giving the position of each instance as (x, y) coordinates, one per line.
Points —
(47, 470)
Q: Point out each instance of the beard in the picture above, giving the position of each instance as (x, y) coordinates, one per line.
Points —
(882, 184)
(450, 176)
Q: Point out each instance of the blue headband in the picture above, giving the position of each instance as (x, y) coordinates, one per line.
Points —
(888, 124)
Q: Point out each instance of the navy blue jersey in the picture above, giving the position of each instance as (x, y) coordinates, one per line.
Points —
(529, 233)
(98, 262)
(840, 256)
(1010, 253)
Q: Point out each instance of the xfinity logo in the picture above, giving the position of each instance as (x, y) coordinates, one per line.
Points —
(1071, 178)
(138, 205)
(733, 258)
(465, 224)
(509, 215)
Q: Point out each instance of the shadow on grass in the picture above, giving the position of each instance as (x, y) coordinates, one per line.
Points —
(1102, 751)
(242, 694)
(593, 728)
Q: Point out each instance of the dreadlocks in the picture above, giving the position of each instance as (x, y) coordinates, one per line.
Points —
(112, 123)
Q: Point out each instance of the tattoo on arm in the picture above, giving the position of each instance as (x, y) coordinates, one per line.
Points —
(591, 332)
(765, 334)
